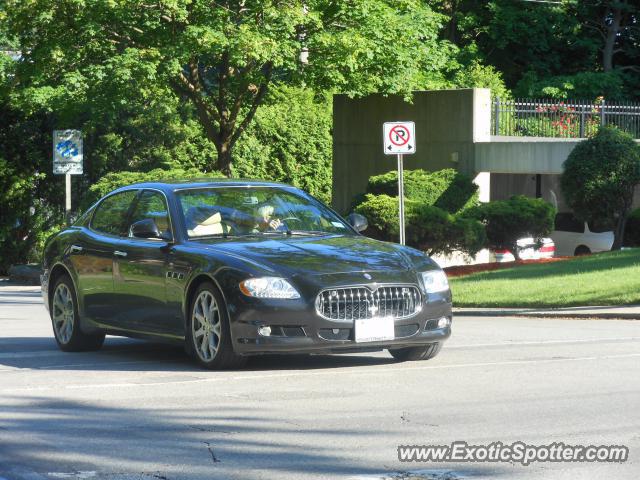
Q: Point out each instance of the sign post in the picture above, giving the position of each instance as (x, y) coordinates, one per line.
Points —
(67, 160)
(399, 139)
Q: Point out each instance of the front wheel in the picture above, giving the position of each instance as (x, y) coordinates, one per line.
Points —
(66, 320)
(208, 333)
(423, 352)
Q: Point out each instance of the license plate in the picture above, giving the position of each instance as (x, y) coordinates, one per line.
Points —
(374, 329)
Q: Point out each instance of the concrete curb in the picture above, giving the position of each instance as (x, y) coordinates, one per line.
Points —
(566, 314)
(25, 274)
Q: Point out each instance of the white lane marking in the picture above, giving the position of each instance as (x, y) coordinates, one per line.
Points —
(36, 354)
(106, 363)
(80, 475)
(352, 371)
(48, 353)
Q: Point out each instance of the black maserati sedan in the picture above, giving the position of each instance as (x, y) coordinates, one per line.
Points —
(235, 268)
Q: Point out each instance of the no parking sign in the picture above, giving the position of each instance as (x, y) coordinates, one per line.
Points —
(399, 138)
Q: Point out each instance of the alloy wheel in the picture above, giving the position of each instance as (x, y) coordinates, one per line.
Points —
(63, 313)
(206, 326)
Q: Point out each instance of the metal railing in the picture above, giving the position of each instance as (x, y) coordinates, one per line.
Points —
(561, 118)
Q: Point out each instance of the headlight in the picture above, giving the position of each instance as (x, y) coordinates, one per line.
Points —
(268, 287)
(435, 281)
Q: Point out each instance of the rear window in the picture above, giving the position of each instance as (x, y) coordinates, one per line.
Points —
(566, 222)
(600, 226)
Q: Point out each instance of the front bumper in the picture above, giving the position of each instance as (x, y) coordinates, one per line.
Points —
(298, 328)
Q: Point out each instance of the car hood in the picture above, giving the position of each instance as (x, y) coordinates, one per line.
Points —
(313, 255)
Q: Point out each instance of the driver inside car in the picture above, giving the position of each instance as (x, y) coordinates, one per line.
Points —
(266, 220)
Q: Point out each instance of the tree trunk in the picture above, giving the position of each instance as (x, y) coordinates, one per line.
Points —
(610, 41)
(618, 233)
(224, 157)
(514, 251)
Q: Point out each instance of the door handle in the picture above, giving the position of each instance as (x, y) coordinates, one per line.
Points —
(75, 249)
(118, 253)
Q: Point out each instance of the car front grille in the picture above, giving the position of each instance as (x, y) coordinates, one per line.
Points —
(361, 302)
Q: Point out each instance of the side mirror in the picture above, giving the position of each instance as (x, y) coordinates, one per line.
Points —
(357, 221)
(146, 228)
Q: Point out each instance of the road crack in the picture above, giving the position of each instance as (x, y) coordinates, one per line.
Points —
(214, 459)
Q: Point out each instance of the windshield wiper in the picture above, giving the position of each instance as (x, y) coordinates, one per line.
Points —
(214, 235)
(307, 232)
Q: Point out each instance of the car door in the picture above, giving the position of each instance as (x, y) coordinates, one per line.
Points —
(140, 271)
(92, 255)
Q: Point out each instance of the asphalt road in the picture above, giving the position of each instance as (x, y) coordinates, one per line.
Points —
(136, 410)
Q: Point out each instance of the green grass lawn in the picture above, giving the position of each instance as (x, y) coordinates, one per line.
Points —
(611, 278)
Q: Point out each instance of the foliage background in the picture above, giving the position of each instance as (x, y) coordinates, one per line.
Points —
(60, 67)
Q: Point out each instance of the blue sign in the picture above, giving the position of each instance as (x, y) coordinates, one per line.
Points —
(67, 152)
(67, 149)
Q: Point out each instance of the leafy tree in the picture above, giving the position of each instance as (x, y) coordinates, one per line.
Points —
(289, 141)
(583, 85)
(556, 43)
(221, 57)
(599, 179)
(506, 221)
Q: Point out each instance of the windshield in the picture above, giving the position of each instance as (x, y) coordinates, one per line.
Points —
(246, 211)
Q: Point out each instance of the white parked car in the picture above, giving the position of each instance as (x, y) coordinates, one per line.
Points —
(529, 250)
(574, 237)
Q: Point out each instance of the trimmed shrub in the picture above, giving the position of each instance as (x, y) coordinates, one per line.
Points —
(447, 189)
(428, 228)
(506, 221)
(599, 179)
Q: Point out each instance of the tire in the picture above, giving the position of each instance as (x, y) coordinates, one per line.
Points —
(208, 337)
(65, 319)
(582, 250)
(409, 354)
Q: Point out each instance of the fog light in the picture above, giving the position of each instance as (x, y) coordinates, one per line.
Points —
(264, 331)
(443, 322)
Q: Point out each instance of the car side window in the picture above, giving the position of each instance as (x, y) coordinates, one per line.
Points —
(111, 214)
(152, 205)
(566, 222)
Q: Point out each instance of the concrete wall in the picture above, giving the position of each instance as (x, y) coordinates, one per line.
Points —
(447, 122)
(523, 154)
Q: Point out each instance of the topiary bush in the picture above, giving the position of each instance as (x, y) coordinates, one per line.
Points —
(506, 221)
(599, 179)
(447, 189)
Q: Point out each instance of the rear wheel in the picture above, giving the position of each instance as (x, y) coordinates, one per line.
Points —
(423, 352)
(209, 336)
(66, 320)
(582, 250)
